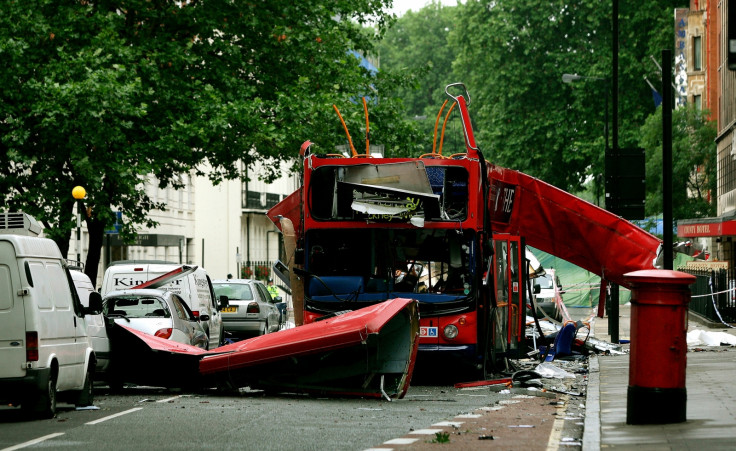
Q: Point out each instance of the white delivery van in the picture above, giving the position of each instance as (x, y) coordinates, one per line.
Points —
(96, 330)
(44, 348)
(190, 282)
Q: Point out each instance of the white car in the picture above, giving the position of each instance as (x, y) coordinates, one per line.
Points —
(544, 293)
(250, 310)
(191, 283)
(157, 312)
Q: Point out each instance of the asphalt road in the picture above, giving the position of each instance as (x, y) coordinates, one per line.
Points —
(153, 418)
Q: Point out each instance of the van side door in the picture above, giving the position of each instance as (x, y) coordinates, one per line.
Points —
(59, 325)
(12, 315)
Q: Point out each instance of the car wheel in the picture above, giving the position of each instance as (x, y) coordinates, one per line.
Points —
(44, 405)
(87, 395)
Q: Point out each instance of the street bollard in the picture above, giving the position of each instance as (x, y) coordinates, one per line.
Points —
(657, 360)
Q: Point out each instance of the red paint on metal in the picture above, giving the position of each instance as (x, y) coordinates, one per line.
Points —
(659, 301)
(290, 208)
(504, 381)
(333, 333)
(162, 344)
(563, 225)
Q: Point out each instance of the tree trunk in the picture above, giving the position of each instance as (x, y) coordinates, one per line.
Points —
(62, 240)
(96, 230)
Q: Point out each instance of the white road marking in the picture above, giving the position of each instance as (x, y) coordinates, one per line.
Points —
(455, 424)
(401, 441)
(555, 437)
(170, 399)
(115, 416)
(425, 431)
(33, 442)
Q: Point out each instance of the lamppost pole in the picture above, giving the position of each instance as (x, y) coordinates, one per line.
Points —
(78, 193)
(610, 89)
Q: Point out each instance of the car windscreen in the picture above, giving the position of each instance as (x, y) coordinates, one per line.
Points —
(545, 282)
(237, 291)
(136, 307)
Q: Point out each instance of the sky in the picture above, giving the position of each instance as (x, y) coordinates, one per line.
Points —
(401, 6)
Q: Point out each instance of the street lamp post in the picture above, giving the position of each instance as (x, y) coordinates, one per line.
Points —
(78, 193)
(614, 293)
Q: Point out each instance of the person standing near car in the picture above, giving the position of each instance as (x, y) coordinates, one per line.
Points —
(272, 290)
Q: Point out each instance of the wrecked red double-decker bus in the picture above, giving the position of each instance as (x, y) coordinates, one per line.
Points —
(447, 231)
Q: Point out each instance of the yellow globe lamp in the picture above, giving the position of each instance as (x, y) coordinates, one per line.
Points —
(79, 192)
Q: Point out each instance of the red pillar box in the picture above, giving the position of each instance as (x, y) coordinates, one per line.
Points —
(656, 393)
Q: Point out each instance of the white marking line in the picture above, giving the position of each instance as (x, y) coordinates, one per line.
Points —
(455, 424)
(425, 431)
(169, 399)
(114, 416)
(555, 437)
(33, 442)
(401, 441)
(379, 449)
(469, 415)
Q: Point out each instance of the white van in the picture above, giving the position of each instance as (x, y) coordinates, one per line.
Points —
(95, 322)
(190, 282)
(44, 348)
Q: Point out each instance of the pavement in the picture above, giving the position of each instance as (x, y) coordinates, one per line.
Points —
(711, 397)
(549, 421)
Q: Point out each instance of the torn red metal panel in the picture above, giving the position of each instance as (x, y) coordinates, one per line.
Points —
(162, 344)
(563, 225)
(168, 277)
(291, 208)
(144, 359)
(368, 352)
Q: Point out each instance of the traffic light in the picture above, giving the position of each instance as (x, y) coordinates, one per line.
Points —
(625, 182)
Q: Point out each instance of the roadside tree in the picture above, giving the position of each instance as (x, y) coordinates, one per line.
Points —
(693, 163)
(104, 94)
(513, 53)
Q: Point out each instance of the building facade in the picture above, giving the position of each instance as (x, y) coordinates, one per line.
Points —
(715, 84)
(222, 228)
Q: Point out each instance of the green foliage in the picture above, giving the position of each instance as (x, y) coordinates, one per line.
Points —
(417, 46)
(106, 94)
(511, 54)
(441, 437)
(693, 163)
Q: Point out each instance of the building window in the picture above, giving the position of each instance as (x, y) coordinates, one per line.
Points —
(698, 102)
(697, 53)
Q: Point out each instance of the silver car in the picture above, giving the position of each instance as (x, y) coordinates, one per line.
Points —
(160, 313)
(250, 310)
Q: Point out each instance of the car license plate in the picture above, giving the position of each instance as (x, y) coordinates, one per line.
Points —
(232, 309)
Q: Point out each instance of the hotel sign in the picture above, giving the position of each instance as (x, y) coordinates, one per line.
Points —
(707, 229)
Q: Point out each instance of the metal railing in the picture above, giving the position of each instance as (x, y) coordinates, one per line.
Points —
(713, 295)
